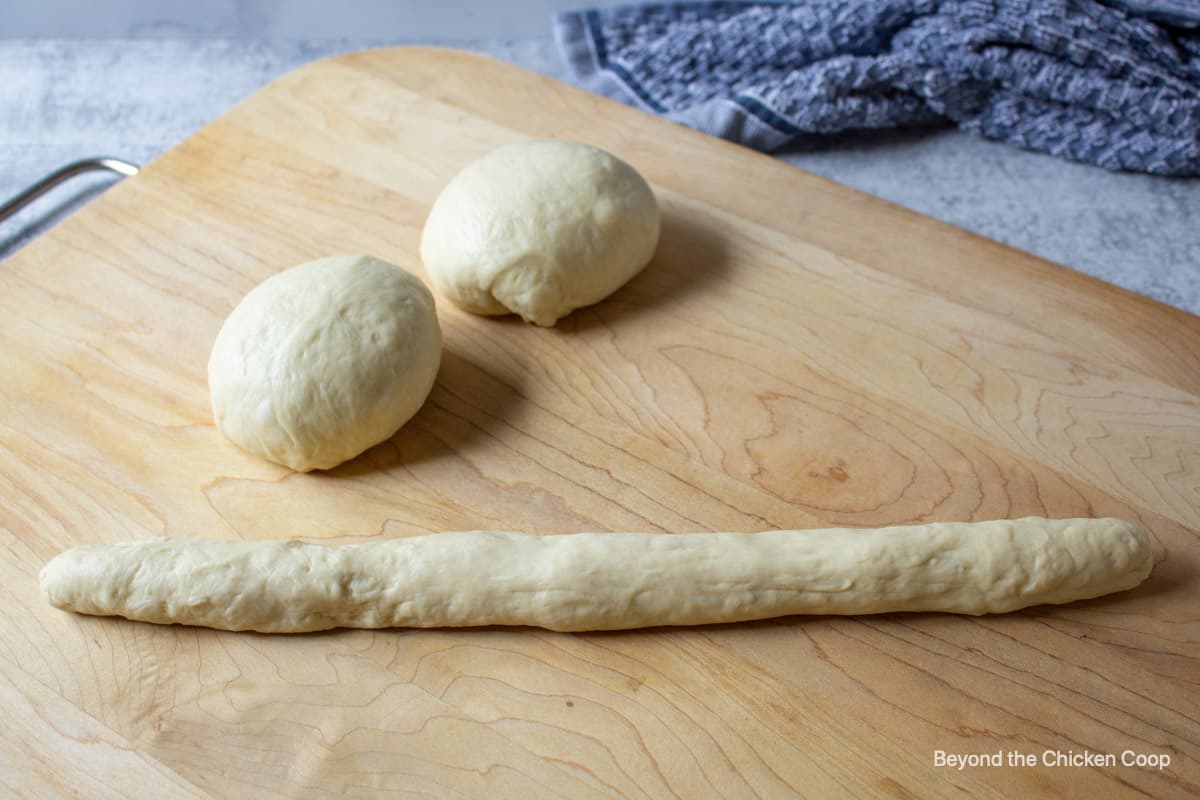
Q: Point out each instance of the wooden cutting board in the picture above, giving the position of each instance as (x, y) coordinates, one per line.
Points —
(797, 355)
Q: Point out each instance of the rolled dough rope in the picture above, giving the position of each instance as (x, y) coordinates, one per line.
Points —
(601, 581)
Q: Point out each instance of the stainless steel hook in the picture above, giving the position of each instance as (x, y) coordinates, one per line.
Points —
(61, 175)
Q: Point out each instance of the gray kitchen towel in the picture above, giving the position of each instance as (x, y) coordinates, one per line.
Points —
(1113, 83)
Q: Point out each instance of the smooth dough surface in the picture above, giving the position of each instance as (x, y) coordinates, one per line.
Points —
(539, 229)
(324, 360)
(601, 581)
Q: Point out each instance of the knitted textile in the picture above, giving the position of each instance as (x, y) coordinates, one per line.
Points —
(1113, 83)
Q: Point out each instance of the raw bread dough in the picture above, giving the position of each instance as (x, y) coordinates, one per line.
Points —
(601, 581)
(324, 360)
(539, 229)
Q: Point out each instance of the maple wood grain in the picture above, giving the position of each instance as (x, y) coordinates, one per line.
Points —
(797, 355)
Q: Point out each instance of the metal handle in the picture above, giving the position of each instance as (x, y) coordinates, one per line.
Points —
(63, 174)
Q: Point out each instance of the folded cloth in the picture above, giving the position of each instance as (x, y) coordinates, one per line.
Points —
(1113, 83)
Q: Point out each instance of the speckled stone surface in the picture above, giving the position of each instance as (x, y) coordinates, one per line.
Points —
(134, 98)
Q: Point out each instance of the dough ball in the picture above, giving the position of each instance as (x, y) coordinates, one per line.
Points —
(324, 360)
(539, 229)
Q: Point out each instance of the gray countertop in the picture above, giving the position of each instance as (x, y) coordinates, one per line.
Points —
(136, 97)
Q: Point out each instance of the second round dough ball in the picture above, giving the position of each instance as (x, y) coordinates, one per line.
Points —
(324, 360)
(539, 229)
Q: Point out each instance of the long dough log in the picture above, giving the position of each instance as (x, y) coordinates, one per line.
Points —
(601, 581)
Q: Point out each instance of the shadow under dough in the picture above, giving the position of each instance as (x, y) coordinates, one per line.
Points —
(466, 399)
(690, 257)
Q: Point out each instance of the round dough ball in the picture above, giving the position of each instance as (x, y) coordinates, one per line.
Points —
(539, 229)
(324, 360)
